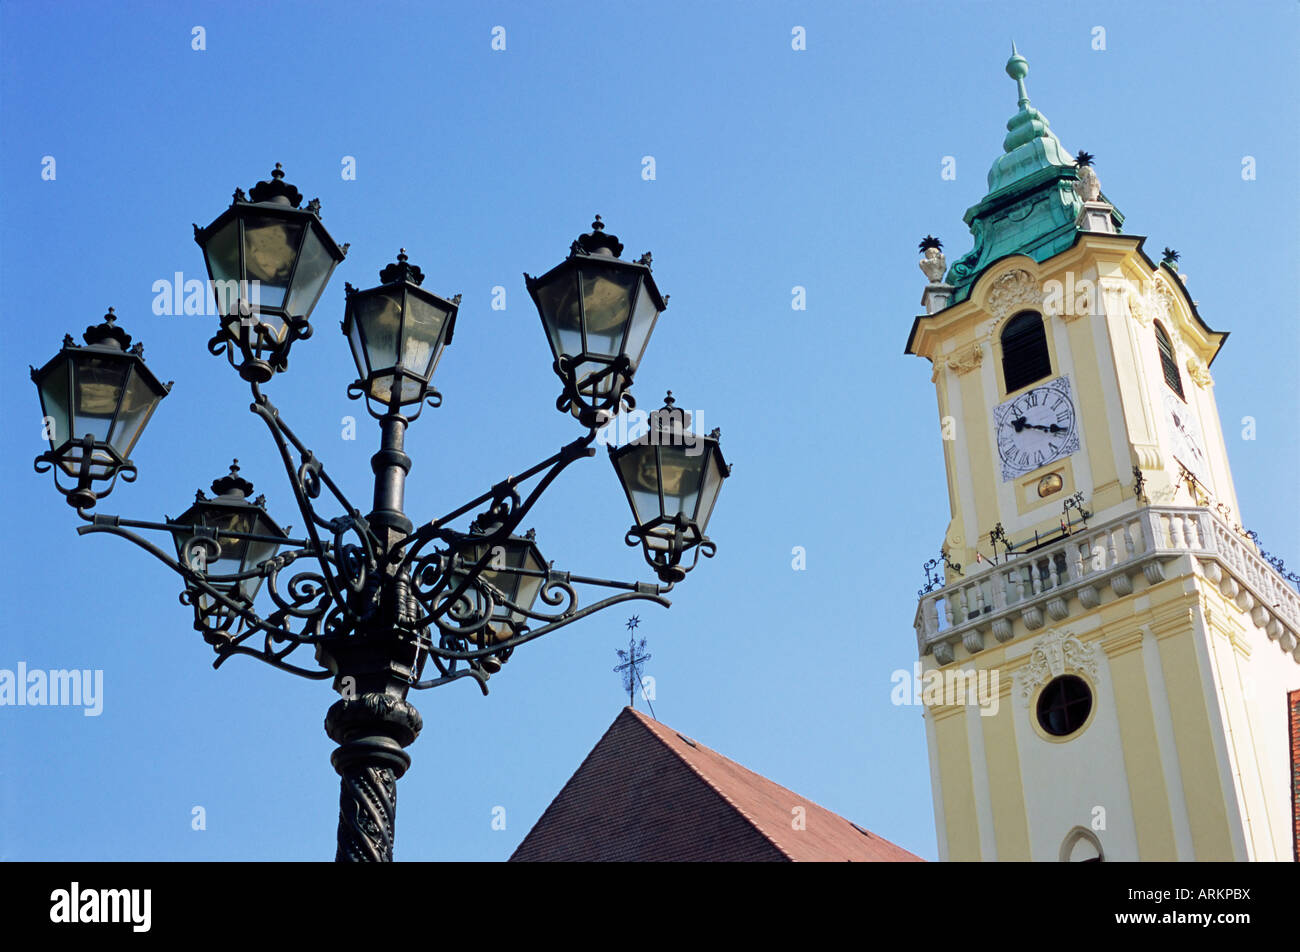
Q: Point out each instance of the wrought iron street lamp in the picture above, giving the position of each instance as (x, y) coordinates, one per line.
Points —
(371, 600)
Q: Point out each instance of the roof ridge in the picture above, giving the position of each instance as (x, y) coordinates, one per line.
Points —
(641, 719)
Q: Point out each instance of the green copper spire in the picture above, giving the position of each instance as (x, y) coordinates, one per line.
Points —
(1027, 128)
(1031, 206)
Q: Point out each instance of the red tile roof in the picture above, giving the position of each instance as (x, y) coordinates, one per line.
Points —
(647, 793)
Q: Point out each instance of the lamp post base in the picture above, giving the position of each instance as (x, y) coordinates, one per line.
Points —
(371, 731)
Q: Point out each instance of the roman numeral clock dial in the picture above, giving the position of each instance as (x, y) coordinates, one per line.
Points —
(1035, 428)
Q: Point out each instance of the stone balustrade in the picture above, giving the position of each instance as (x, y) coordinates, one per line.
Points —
(1070, 575)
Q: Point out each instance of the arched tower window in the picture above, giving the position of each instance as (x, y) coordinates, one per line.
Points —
(1024, 351)
(1167, 362)
(1081, 846)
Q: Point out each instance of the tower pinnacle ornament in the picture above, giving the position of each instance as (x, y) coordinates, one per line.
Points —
(933, 264)
(1088, 187)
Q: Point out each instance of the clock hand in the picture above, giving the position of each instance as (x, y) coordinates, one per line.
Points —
(1022, 425)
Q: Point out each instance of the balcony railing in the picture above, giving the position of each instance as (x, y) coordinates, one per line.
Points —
(1041, 585)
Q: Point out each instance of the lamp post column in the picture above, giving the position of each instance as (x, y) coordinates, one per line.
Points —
(371, 732)
(391, 464)
(373, 722)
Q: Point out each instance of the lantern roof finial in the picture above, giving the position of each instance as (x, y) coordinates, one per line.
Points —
(401, 270)
(233, 484)
(276, 190)
(669, 423)
(597, 242)
(108, 333)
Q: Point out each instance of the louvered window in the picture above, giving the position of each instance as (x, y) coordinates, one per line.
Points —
(1167, 362)
(1024, 351)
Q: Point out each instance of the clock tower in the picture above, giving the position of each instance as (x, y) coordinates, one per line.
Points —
(1107, 654)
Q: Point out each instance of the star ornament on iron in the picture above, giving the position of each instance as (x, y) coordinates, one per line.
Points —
(633, 622)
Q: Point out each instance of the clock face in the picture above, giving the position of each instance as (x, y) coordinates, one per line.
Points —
(1035, 428)
(1185, 436)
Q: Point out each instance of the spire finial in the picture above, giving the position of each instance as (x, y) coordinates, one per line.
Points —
(1018, 69)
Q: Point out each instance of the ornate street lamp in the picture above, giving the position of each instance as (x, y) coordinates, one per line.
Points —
(96, 400)
(672, 477)
(268, 262)
(369, 601)
(397, 331)
(598, 311)
(227, 539)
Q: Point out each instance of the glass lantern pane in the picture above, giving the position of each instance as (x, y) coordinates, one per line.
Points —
(54, 402)
(270, 249)
(381, 388)
(644, 316)
(98, 384)
(526, 597)
(682, 475)
(358, 348)
(639, 471)
(559, 306)
(709, 491)
(380, 320)
(137, 404)
(233, 550)
(593, 381)
(255, 555)
(422, 335)
(314, 267)
(412, 389)
(222, 253)
(606, 301)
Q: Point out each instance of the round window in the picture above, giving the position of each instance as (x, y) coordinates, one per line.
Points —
(1064, 705)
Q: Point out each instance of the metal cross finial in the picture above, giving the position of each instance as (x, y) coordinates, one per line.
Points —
(630, 659)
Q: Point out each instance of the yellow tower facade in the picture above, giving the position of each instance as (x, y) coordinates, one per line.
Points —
(1107, 656)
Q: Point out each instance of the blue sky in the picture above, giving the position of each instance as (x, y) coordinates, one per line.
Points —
(774, 168)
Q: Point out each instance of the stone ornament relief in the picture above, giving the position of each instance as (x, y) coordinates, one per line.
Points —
(1054, 654)
(1013, 291)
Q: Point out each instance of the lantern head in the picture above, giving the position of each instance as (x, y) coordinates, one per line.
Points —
(268, 262)
(96, 400)
(515, 570)
(397, 332)
(222, 539)
(598, 312)
(672, 477)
